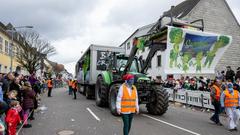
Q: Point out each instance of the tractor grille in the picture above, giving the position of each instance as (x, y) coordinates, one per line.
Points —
(143, 85)
(144, 91)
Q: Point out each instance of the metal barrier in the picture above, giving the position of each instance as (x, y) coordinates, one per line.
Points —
(188, 97)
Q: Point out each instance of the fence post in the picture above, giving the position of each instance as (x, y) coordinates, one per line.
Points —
(202, 100)
(174, 92)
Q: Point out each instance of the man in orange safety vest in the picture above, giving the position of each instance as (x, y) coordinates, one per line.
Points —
(230, 100)
(50, 86)
(127, 102)
(215, 98)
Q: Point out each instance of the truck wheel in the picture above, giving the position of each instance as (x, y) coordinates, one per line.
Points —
(112, 98)
(160, 105)
(101, 92)
(87, 93)
(81, 90)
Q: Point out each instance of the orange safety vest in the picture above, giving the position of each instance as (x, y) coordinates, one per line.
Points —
(231, 100)
(74, 85)
(69, 83)
(218, 92)
(50, 84)
(128, 103)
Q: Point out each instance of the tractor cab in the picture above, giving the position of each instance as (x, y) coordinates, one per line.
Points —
(119, 64)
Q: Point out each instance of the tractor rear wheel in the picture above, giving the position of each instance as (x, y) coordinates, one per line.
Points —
(112, 98)
(160, 105)
(101, 91)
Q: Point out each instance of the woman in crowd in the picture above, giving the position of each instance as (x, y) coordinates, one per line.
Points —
(28, 102)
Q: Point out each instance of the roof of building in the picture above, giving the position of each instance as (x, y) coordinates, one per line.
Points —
(232, 12)
(178, 11)
(142, 30)
(16, 36)
(182, 9)
(53, 64)
(185, 7)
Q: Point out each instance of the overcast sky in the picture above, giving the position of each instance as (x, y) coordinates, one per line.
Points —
(72, 25)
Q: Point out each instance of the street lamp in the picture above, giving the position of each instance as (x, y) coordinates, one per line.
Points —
(11, 47)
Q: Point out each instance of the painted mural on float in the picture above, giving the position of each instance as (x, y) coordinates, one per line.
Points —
(191, 51)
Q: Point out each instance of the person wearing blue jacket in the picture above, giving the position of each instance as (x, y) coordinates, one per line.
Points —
(230, 101)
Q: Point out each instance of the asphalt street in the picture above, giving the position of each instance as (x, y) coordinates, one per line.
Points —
(83, 117)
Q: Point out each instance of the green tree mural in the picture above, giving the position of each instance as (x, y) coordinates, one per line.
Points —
(222, 42)
(176, 37)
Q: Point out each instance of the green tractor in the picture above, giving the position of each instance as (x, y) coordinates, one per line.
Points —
(108, 82)
(149, 92)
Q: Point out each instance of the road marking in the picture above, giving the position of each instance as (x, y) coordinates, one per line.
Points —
(189, 131)
(95, 116)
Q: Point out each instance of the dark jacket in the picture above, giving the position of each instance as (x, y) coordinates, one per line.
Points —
(14, 86)
(229, 75)
(28, 98)
(5, 87)
(237, 75)
(37, 88)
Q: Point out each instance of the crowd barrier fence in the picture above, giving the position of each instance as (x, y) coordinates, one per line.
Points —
(190, 97)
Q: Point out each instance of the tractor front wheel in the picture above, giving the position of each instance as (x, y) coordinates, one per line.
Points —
(160, 105)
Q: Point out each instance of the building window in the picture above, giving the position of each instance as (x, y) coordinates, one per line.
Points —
(5, 69)
(159, 60)
(11, 49)
(128, 45)
(6, 47)
(1, 44)
(0, 68)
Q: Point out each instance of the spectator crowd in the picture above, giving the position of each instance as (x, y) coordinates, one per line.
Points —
(19, 96)
(203, 83)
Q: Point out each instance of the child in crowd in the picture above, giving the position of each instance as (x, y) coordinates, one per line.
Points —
(13, 118)
(11, 96)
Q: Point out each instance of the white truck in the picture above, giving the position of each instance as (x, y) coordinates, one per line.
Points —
(90, 65)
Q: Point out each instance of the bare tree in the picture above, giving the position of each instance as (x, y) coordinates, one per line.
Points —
(33, 50)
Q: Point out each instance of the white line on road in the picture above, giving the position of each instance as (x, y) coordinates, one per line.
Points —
(171, 124)
(95, 116)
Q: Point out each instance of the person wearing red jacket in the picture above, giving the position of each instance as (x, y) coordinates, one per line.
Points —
(13, 118)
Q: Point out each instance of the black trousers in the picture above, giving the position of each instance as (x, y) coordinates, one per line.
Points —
(127, 122)
(75, 93)
(217, 107)
(49, 91)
